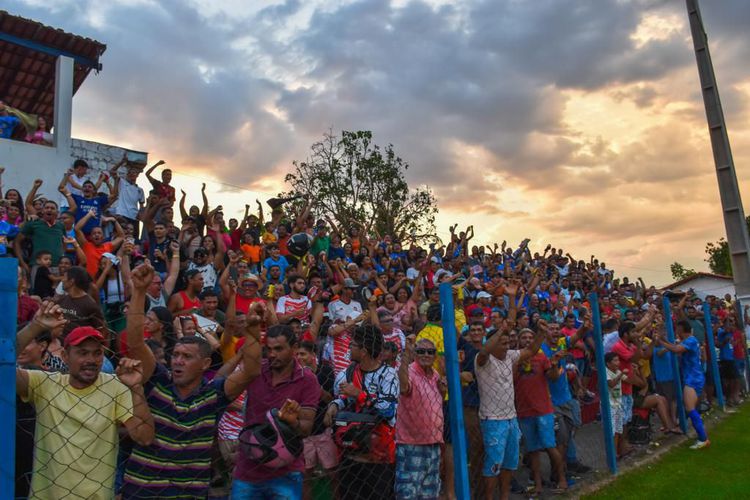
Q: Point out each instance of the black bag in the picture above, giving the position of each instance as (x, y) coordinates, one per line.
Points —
(639, 430)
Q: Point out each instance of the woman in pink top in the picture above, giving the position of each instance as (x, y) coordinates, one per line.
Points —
(40, 136)
(419, 426)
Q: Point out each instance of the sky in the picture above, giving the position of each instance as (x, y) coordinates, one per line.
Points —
(573, 122)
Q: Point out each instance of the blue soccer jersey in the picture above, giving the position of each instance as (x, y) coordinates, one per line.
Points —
(690, 364)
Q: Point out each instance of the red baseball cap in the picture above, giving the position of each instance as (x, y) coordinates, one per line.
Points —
(81, 333)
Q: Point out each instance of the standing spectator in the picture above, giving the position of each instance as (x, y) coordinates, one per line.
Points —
(79, 308)
(419, 426)
(8, 123)
(535, 412)
(614, 382)
(320, 449)
(345, 313)
(494, 369)
(283, 385)
(369, 387)
(470, 399)
(188, 406)
(162, 187)
(46, 233)
(727, 368)
(131, 196)
(91, 201)
(296, 304)
(77, 414)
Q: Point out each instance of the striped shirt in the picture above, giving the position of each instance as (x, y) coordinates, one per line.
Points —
(178, 463)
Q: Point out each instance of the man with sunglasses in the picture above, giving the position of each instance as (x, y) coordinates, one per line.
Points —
(419, 427)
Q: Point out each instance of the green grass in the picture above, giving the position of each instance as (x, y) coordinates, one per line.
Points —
(720, 471)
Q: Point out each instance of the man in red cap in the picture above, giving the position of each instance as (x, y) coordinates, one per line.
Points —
(78, 413)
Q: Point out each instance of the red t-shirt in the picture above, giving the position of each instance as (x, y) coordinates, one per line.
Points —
(577, 351)
(532, 392)
(625, 353)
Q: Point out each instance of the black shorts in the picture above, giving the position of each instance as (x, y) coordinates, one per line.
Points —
(728, 370)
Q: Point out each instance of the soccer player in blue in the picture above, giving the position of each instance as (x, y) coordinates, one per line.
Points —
(693, 379)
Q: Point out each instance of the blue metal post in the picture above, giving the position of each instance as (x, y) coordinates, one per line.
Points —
(601, 375)
(455, 403)
(713, 365)
(675, 365)
(8, 305)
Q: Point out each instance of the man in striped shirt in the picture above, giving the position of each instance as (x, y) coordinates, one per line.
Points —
(186, 408)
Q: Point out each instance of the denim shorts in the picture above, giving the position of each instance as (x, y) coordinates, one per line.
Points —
(287, 487)
(538, 432)
(501, 445)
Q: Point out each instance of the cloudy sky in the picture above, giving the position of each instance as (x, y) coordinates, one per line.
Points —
(575, 122)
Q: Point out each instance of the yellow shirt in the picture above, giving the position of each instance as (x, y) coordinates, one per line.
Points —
(75, 444)
(460, 319)
(645, 363)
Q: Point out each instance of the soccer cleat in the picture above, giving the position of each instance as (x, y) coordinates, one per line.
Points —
(701, 444)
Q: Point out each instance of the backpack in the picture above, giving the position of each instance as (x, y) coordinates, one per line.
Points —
(359, 429)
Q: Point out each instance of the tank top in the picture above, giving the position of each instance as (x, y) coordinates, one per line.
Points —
(189, 304)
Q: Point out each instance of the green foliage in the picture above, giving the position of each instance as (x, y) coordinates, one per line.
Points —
(353, 180)
(719, 259)
(679, 271)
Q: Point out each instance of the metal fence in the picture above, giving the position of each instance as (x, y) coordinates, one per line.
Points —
(459, 427)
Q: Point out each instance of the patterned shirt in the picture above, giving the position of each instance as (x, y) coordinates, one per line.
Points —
(178, 463)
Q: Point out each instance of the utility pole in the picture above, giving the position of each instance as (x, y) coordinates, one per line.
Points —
(731, 203)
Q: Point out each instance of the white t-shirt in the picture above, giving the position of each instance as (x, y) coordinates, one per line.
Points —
(609, 340)
(495, 383)
(287, 304)
(131, 195)
(338, 311)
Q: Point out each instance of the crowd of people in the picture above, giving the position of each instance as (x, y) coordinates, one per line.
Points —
(169, 352)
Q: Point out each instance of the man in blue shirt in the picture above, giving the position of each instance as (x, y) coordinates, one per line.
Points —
(567, 410)
(276, 259)
(730, 377)
(8, 123)
(693, 379)
(91, 200)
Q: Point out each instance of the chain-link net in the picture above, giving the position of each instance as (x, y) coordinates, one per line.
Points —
(350, 408)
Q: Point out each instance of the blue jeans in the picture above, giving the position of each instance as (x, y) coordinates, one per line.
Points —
(288, 487)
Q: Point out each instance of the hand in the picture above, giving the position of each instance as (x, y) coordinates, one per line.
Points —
(49, 316)
(130, 372)
(289, 412)
(160, 162)
(183, 193)
(2, 170)
(107, 219)
(331, 412)
(142, 276)
(256, 313)
(68, 241)
(234, 258)
(158, 254)
(349, 390)
(203, 186)
(92, 212)
(174, 246)
(128, 247)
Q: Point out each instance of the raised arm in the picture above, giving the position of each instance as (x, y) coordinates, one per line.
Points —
(151, 170)
(29, 202)
(174, 268)
(137, 348)
(183, 212)
(251, 354)
(403, 370)
(204, 210)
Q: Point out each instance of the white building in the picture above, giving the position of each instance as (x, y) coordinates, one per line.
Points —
(41, 68)
(704, 284)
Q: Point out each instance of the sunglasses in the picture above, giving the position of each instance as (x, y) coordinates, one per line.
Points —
(422, 352)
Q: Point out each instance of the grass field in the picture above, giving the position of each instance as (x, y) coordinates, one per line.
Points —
(720, 471)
